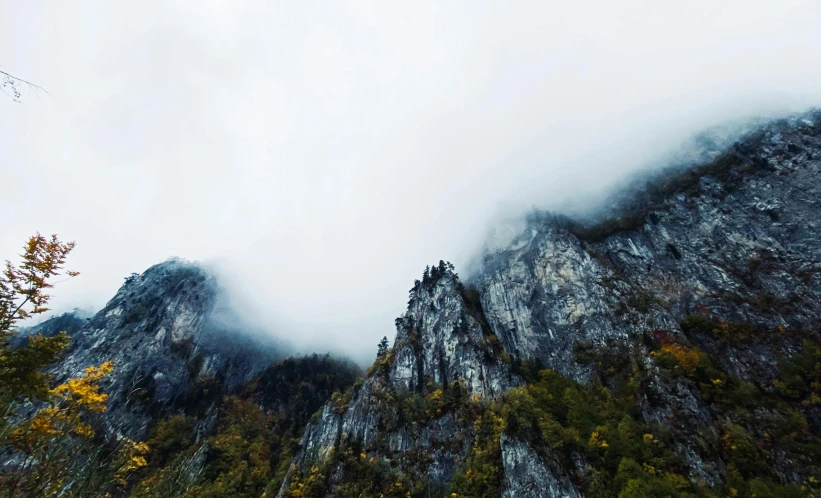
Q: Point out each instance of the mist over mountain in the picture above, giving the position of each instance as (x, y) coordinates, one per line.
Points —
(665, 345)
(410, 249)
(322, 154)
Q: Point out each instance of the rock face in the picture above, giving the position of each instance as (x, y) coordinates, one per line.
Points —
(441, 339)
(162, 333)
(735, 240)
(526, 475)
(441, 346)
(745, 229)
(69, 323)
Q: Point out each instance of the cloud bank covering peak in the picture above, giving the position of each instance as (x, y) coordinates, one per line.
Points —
(322, 153)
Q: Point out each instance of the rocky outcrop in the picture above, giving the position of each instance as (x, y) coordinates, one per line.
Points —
(163, 334)
(526, 475)
(441, 339)
(735, 239)
(737, 236)
(443, 348)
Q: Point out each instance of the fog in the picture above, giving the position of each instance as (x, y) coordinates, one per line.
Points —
(320, 154)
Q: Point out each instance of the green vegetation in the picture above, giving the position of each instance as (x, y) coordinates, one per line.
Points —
(731, 332)
(632, 220)
(473, 305)
(750, 425)
(418, 409)
(368, 472)
(382, 348)
(642, 302)
(364, 476)
(751, 429)
(257, 432)
(433, 274)
(246, 454)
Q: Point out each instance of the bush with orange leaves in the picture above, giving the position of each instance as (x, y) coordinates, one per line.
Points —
(678, 357)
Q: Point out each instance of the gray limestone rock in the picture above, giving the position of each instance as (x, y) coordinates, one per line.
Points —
(162, 333)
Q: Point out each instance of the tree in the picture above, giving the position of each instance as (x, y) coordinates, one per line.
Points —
(435, 274)
(23, 293)
(55, 450)
(58, 446)
(131, 278)
(383, 348)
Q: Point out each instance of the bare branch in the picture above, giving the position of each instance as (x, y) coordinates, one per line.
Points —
(13, 83)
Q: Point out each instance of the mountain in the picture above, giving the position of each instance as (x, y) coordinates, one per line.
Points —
(669, 348)
(204, 390)
(672, 349)
(164, 332)
(69, 323)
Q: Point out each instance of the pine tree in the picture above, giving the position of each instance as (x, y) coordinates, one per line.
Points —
(383, 348)
(435, 274)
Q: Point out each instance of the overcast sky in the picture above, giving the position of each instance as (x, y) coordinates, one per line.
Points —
(324, 152)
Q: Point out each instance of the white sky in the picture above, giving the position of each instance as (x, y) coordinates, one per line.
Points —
(324, 152)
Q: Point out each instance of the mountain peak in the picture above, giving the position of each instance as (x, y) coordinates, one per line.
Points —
(443, 338)
(163, 331)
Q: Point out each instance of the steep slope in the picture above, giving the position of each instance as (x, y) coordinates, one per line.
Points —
(409, 425)
(731, 246)
(254, 435)
(680, 342)
(738, 236)
(673, 350)
(163, 334)
(220, 416)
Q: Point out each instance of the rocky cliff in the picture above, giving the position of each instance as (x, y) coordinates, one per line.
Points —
(684, 331)
(738, 236)
(443, 353)
(164, 335)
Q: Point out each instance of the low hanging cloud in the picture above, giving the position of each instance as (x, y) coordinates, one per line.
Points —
(320, 154)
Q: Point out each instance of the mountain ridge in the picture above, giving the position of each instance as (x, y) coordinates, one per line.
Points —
(722, 246)
(671, 349)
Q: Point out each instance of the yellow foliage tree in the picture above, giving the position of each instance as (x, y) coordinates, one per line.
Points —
(59, 450)
(55, 450)
(23, 293)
